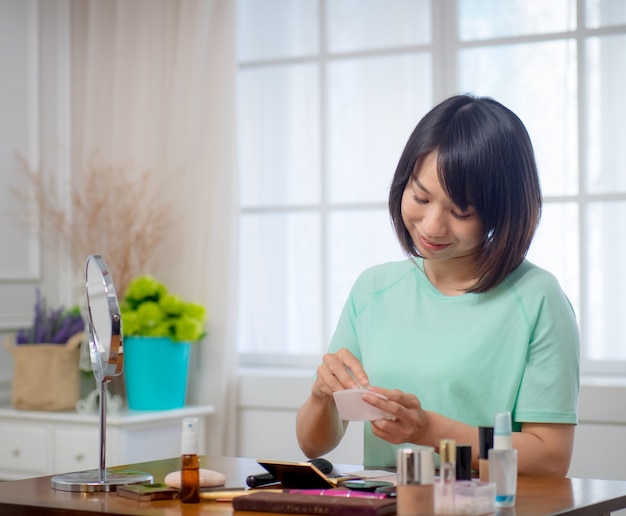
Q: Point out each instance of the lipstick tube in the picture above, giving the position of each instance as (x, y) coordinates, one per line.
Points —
(485, 443)
(463, 462)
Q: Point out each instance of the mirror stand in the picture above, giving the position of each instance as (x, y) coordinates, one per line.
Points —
(106, 353)
(99, 480)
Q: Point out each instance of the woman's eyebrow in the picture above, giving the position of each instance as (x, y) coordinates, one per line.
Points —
(420, 185)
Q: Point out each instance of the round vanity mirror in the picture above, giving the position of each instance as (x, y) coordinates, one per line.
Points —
(106, 351)
(105, 322)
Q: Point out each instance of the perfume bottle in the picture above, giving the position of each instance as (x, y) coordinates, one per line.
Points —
(447, 475)
(415, 492)
(503, 462)
(190, 470)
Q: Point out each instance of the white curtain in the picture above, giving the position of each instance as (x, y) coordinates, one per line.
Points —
(153, 88)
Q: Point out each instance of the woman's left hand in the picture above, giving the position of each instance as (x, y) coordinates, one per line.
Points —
(543, 448)
(408, 421)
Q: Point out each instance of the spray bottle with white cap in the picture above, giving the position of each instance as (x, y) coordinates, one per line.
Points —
(503, 461)
(190, 470)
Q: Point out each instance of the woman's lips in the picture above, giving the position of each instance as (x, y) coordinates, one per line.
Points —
(431, 246)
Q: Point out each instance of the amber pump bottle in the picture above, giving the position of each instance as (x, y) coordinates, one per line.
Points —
(190, 470)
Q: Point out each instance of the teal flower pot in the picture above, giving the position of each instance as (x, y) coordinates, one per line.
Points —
(155, 372)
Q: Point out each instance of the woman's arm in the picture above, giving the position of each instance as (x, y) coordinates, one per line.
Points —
(318, 426)
(543, 448)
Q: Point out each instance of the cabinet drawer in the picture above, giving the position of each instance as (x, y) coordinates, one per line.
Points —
(23, 449)
(76, 449)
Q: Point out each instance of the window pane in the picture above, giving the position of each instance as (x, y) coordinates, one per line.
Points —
(606, 112)
(555, 248)
(280, 278)
(320, 135)
(369, 24)
(605, 12)
(279, 119)
(606, 328)
(373, 105)
(485, 19)
(357, 239)
(277, 28)
(538, 82)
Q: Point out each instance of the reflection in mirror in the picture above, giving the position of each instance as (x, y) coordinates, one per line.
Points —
(106, 353)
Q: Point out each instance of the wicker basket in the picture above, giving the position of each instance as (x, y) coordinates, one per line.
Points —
(46, 376)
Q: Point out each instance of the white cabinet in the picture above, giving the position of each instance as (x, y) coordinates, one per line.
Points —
(46, 443)
(23, 449)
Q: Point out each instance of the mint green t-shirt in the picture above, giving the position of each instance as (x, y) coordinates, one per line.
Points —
(514, 348)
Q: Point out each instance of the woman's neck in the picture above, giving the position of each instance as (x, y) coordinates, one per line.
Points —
(452, 277)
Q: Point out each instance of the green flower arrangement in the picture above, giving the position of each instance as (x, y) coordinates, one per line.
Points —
(149, 310)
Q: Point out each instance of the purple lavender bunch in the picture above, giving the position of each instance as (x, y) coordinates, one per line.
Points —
(50, 326)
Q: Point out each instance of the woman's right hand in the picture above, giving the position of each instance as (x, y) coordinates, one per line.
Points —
(319, 429)
(340, 370)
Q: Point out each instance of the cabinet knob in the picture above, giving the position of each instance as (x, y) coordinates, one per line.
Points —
(16, 452)
(79, 456)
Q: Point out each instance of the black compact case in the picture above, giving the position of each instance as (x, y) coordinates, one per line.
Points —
(298, 475)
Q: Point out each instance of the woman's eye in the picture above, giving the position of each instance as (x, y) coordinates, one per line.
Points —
(418, 200)
(461, 216)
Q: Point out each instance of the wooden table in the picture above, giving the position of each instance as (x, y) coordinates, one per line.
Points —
(535, 495)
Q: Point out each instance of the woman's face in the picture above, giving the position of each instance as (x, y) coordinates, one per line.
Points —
(440, 230)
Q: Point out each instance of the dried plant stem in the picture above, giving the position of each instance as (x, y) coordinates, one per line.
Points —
(120, 215)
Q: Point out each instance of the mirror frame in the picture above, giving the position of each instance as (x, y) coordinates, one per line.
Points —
(107, 358)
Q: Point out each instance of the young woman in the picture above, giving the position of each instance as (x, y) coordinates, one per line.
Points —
(466, 327)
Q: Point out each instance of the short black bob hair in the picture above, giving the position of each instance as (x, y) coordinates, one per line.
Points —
(485, 160)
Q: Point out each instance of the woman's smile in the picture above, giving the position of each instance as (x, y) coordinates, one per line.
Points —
(431, 246)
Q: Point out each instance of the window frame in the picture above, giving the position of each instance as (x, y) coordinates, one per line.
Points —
(445, 48)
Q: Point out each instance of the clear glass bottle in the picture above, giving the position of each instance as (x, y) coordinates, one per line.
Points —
(503, 462)
(447, 475)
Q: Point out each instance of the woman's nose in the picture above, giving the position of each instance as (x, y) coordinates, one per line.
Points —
(433, 222)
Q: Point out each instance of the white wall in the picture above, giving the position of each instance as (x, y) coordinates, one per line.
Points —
(34, 124)
(598, 448)
(267, 404)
